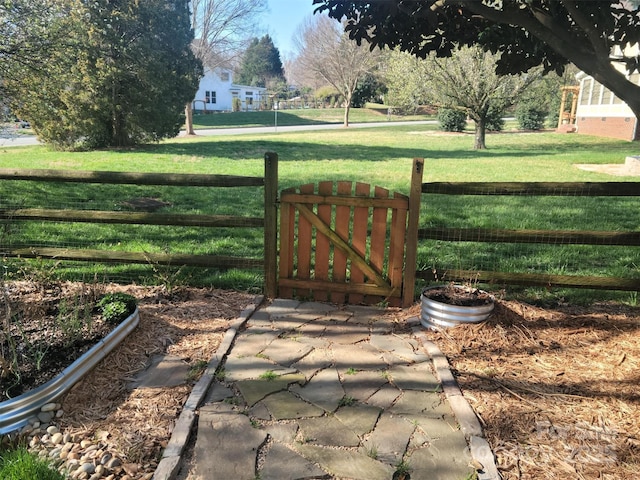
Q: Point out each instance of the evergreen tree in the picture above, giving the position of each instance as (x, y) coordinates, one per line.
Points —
(122, 77)
(261, 64)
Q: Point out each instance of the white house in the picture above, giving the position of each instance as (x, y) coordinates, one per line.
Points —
(217, 91)
(600, 112)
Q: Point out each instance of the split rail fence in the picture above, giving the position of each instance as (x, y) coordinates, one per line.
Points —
(341, 241)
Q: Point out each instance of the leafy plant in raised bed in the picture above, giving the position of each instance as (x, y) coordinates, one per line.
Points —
(46, 327)
(115, 307)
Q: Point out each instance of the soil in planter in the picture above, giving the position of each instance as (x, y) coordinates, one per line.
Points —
(44, 330)
(461, 296)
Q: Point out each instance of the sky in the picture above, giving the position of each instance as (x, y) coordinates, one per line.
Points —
(283, 19)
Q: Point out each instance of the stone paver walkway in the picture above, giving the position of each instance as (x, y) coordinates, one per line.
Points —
(313, 391)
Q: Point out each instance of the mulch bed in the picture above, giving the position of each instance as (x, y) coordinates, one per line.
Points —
(556, 390)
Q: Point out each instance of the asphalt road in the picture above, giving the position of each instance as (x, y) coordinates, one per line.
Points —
(22, 140)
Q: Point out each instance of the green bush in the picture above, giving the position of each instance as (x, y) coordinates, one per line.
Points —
(495, 122)
(530, 116)
(452, 120)
(20, 464)
(115, 307)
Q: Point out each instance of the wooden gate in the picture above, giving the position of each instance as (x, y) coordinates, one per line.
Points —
(344, 242)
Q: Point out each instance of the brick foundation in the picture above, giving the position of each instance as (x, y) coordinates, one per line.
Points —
(612, 127)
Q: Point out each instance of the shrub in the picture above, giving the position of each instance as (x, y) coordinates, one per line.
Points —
(494, 122)
(452, 120)
(115, 307)
(530, 116)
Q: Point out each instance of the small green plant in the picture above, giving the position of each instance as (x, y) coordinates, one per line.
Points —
(402, 470)
(372, 452)
(347, 401)
(115, 307)
(220, 375)
(20, 464)
(351, 371)
(196, 370)
(269, 375)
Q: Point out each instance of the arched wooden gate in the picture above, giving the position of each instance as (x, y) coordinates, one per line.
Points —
(348, 242)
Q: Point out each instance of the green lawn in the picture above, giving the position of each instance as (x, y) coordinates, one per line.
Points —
(299, 116)
(379, 156)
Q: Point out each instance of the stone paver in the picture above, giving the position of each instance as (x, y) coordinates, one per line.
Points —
(281, 462)
(311, 390)
(390, 438)
(285, 406)
(327, 431)
(218, 453)
(323, 390)
(347, 464)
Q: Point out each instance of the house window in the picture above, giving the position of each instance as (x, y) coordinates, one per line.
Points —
(249, 98)
(210, 96)
(585, 93)
(224, 76)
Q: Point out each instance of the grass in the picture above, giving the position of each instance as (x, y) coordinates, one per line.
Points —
(299, 116)
(20, 464)
(378, 156)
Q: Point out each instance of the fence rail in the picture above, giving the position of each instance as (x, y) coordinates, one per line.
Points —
(552, 238)
(269, 182)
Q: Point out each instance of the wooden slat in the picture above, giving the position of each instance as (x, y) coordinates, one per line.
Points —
(271, 224)
(321, 267)
(601, 189)
(343, 216)
(555, 237)
(411, 247)
(396, 250)
(132, 178)
(359, 240)
(287, 231)
(107, 256)
(305, 245)
(131, 218)
(342, 288)
(534, 279)
(378, 237)
(399, 202)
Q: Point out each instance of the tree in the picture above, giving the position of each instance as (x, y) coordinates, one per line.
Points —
(261, 64)
(593, 34)
(466, 81)
(325, 51)
(223, 30)
(121, 79)
(26, 31)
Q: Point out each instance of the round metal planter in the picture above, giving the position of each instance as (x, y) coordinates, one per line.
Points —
(437, 314)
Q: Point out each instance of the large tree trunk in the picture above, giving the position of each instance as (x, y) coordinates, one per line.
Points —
(480, 134)
(188, 120)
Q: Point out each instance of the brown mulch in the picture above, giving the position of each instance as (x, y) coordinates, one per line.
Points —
(557, 391)
(137, 423)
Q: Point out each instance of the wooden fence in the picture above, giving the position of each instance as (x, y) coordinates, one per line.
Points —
(367, 279)
(269, 222)
(547, 237)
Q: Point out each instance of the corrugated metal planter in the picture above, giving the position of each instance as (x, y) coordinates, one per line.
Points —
(16, 412)
(437, 313)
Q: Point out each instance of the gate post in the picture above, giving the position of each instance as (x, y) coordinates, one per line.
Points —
(411, 253)
(271, 224)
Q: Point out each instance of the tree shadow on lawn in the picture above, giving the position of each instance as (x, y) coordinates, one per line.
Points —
(301, 151)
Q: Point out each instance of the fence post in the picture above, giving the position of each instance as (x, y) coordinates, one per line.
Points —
(270, 224)
(410, 259)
